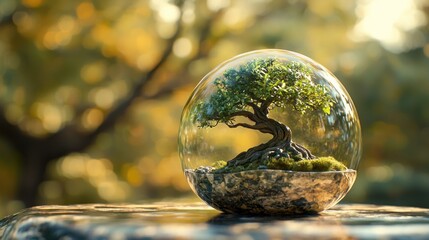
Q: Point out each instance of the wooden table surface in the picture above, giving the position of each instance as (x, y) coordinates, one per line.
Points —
(175, 220)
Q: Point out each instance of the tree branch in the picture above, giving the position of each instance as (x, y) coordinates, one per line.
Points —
(254, 107)
(262, 127)
(265, 105)
(84, 139)
(113, 116)
(252, 95)
(204, 48)
(246, 114)
(8, 19)
(240, 125)
(14, 135)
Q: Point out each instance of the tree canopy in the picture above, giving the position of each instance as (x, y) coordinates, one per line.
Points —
(264, 84)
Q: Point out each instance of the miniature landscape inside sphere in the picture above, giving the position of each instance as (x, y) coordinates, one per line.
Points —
(290, 113)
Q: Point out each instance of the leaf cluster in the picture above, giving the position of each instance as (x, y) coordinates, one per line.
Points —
(262, 82)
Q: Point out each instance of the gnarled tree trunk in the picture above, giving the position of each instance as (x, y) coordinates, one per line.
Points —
(281, 142)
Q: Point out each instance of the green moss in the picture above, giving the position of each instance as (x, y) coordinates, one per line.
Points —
(280, 163)
(317, 165)
(303, 166)
(297, 157)
(306, 165)
(222, 167)
(219, 164)
(328, 164)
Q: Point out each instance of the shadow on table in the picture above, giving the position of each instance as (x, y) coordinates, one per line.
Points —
(230, 219)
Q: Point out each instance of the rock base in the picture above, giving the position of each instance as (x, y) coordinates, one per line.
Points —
(273, 192)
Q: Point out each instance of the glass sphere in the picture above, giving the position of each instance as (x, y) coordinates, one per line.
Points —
(265, 113)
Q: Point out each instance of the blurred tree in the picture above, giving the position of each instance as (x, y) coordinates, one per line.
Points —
(70, 69)
(37, 145)
(38, 151)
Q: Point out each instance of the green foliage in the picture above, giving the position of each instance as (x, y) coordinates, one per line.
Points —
(262, 81)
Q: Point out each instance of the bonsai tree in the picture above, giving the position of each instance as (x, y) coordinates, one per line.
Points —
(244, 97)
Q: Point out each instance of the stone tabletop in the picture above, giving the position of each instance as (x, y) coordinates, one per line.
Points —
(175, 220)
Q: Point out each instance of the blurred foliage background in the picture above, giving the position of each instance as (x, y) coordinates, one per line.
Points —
(91, 92)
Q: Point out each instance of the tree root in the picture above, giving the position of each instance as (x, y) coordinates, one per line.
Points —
(264, 151)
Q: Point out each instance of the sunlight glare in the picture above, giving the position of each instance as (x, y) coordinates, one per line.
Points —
(50, 116)
(93, 72)
(85, 11)
(103, 97)
(167, 12)
(182, 47)
(216, 5)
(92, 118)
(388, 21)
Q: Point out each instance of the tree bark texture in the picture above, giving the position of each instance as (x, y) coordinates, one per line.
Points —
(281, 141)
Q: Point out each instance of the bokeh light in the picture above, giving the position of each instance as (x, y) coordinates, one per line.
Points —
(66, 65)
